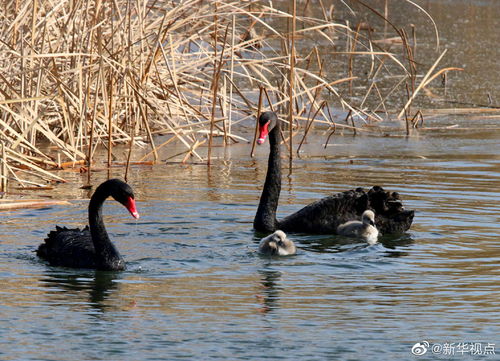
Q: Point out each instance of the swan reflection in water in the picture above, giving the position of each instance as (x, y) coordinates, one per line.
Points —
(269, 297)
(94, 286)
(387, 245)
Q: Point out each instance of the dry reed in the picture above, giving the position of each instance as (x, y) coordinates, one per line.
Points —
(79, 76)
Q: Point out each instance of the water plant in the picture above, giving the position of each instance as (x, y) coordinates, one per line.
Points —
(78, 76)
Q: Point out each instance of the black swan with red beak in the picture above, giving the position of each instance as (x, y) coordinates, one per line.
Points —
(324, 215)
(91, 246)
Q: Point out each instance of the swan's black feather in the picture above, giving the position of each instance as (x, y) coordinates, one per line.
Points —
(68, 248)
(326, 214)
(390, 215)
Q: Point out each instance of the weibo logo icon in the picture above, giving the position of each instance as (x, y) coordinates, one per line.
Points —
(420, 348)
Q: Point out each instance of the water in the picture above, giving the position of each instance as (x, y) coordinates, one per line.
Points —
(196, 289)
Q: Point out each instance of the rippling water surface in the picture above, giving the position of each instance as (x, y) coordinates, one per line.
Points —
(196, 289)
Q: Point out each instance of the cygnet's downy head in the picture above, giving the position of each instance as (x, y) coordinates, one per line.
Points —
(368, 217)
(277, 244)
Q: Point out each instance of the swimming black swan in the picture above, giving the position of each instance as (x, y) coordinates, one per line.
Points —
(277, 244)
(90, 247)
(324, 215)
(364, 229)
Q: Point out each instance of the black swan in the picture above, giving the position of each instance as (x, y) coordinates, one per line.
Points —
(364, 229)
(91, 246)
(324, 215)
(277, 244)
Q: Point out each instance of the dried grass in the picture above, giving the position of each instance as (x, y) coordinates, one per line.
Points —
(78, 76)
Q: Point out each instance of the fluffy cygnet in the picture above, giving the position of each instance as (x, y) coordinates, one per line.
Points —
(365, 229)
(277, 244)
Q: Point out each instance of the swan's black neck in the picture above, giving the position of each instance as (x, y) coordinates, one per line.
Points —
(107, 256)
(265, 219)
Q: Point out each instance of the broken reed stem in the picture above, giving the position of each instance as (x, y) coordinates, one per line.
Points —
(351, 59)
(92, 126)
(170, 140)
(148, 131)
(407, 110)
(214, 88)
(212, 115)
(259, 107)
(130, 147)
(306, 5)
(231, 75)
(110, 120)
(418, 115)
(308, 126)
(353, 125)
(224, 117)
(334, 126)
(386, 16)
(291, 80)
(330, 135)
(269, 100)
(411, 61)
(3, 169)
(349, 116)
(143, 115)
(423, 83)
(414, 38)
(215, 85)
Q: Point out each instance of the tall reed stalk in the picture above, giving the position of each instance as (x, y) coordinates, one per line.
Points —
(291, 79)
(81, 77)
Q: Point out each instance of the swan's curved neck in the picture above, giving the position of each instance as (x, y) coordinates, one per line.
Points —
(107, 256)
(265, 219)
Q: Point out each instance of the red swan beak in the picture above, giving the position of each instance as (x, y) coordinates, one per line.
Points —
(263, 132)
(130, 205)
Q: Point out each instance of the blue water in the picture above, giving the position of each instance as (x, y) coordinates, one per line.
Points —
(196, 289)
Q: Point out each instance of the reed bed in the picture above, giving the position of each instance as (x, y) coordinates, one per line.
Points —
(79, 77)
